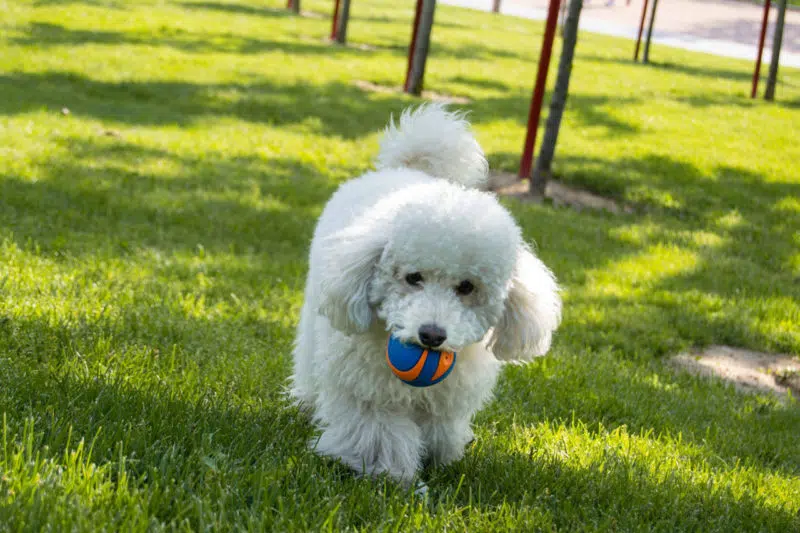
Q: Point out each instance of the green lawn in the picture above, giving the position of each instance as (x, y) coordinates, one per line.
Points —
(153, 243)
(774, 4)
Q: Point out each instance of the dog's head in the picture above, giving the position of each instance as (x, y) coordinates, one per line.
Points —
(444, 267)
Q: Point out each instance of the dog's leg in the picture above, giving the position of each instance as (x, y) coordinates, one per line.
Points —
(302, 383)
(445, 440)
(371, 442)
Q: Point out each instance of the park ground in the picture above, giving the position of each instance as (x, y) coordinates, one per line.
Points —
(162, 165)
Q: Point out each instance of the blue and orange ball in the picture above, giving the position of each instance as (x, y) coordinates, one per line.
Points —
(416, 365)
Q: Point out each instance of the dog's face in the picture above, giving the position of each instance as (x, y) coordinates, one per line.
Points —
(442, 284)
(443, 268)
(433, 308)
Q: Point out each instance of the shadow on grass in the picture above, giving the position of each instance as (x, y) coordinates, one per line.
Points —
(683, 68)
(590, 110)
(239, 9)
(180, 434)
(441, 21)
(440, 49)
(336, 109)
(211, 425)
(749, 258)
(710, 430)
(740, 248)
(481, 83)
(744, 101)
(78, 209)
(676, 187)
(355, 16)
(196, 425)
(612, 493)
(107, 204)
(196, 379)
(663, 184)
(42, 34)
(105, 4)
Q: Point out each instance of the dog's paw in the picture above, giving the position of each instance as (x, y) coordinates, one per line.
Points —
(446, 442)
(374, 446)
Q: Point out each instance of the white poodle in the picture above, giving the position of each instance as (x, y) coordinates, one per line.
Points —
(416, 250)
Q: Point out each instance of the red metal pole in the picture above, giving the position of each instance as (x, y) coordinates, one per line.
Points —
(641, 29)
(538, 90)
(335, 19)
(757, 71)
(413, 45)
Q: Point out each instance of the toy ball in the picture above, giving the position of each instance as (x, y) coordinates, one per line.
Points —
(416, 365)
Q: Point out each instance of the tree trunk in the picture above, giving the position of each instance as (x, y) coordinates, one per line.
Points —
(558, 100)
(496, 6)
(420, 51)
(777, 41)
(761, 38)
(646, 55)
(341, 25)
(294, 5)
(562, 14)
(641, 29)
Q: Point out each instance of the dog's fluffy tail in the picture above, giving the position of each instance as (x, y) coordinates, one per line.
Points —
(436, 141)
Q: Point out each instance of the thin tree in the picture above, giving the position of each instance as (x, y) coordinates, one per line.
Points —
(542, 170)
(646, 55)
(341, 24)
(562, 15)
(777, 41)
(421, 46)
(495, 6)
(641, 29)
(294, 5)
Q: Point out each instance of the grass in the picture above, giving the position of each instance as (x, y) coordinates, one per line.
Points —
(152, 253)
(795, 3)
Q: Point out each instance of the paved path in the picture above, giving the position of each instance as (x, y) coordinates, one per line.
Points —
(720, 27)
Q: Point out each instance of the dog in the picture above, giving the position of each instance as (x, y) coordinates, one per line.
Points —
(418, 250)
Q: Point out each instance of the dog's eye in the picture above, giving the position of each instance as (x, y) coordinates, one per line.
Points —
(414, 279)
(465, 287)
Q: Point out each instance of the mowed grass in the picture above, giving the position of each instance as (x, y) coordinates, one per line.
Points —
(153, 244)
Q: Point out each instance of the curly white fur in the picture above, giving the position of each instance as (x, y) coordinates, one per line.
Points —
(420, 212)
(421, 139)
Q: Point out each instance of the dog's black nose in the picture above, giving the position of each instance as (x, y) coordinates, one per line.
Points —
(432, 335)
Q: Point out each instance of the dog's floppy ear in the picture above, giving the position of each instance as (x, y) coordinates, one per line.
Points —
(349, 258)
(532, 311)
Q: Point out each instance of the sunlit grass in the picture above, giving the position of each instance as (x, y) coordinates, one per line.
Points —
(162, 165)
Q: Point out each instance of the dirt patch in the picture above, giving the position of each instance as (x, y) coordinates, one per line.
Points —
(312, 15)
(746, 370)
(428, 95)
(362, 46)
(508, 184)
(356, 46)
